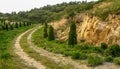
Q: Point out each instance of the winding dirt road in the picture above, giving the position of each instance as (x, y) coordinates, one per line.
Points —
(28, 60)
(58, 58)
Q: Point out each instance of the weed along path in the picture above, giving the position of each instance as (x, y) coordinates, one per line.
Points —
(58, 58)
(28, 60)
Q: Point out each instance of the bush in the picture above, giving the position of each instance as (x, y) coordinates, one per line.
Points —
(5, 55)
(117, 61)
(97, 50)
(78, 55)
(82, 47)
(104, 46)
(82, 56)
(94, 61)
(109, 59)
(113, 50)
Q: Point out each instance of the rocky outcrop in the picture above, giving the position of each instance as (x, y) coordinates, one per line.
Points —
(91, 29)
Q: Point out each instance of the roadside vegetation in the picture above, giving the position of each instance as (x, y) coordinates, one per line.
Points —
(8, 60)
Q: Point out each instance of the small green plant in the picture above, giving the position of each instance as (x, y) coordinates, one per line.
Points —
(109, 59)
(104, 46)
(117, 61)
(78, 55)
(94, 60)
(113, 50)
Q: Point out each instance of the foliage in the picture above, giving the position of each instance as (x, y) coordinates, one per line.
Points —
(94, 60)
(104, 46)
(113, 50)
(45, 34)
(117, 61)
(51, 34)
(6, 56)
(72, 40)
(109, 58)
(78, 55)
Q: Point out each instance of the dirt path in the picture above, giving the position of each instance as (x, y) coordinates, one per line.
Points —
(58, 58)
(28, 60)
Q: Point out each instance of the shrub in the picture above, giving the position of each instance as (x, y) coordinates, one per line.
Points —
(109, 59)
(113, 50)
(82, 47)
(78, 55)
(116, 61)
(104, 46)
(94, 61)
(82, 56)
(97, 50)
(5, 55)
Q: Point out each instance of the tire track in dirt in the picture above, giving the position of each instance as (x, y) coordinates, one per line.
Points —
(28, 60)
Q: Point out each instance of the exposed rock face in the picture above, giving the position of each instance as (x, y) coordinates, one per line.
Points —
(91, 29)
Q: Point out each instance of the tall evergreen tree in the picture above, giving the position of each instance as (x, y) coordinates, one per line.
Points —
(20, 24)
(24, 23)
(7, 27)
(16, 25)
(72, 40)
(51, 33)
(45, 34)
(11, 27)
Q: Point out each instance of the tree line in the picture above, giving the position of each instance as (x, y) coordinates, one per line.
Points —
(7, 25)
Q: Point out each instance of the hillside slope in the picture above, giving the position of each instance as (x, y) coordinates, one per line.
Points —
(91, 27)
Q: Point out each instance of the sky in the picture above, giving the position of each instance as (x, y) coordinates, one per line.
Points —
(8, 6)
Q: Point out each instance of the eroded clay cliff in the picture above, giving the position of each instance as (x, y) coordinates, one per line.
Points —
(91, 29)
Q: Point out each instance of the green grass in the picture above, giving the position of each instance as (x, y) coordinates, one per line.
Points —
(44, 60)
(95, 60)
(8, 60)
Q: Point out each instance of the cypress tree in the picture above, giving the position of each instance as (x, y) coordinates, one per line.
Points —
(11, 27)
(51, 33)
(20, 24)
(16, 25)
(27, 23)
(6, 26)
(24, 23)
(45, 34)
(72, 40)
